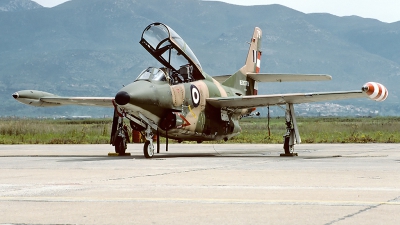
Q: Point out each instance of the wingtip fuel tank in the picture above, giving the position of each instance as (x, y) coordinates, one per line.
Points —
(375, 91)
(33, 98)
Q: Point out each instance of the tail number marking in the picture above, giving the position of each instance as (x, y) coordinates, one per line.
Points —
(244, 83)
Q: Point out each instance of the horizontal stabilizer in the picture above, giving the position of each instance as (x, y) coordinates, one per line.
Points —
(276, 77)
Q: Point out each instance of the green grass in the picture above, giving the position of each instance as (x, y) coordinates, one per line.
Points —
(31, 131)
(254, 130)
(324, 130)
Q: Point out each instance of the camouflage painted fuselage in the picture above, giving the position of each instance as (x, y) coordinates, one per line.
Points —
(185, 104)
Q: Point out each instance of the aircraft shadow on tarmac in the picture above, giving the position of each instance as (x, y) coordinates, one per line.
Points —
(82, 158)
(140, 157)
(197, 155)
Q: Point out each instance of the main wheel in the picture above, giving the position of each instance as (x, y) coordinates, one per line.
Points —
(286, 146)
(120, 145)
(148, 150)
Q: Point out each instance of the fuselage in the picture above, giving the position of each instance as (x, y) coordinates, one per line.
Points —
(181, 109)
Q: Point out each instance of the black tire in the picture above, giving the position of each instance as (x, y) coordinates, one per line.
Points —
(148, 153)
(120, 145)
(286, 145)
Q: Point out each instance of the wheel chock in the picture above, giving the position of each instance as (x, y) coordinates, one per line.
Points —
(289, 155)
(118, 154)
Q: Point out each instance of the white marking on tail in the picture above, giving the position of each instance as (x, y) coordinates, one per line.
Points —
(258, 62)
(244, 83)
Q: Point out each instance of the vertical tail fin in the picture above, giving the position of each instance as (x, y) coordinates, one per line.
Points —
(239, 80)
(254, 55)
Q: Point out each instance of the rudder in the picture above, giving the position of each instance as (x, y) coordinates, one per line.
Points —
(239, 80)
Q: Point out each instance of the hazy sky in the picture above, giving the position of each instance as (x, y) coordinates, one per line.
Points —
(383, 10)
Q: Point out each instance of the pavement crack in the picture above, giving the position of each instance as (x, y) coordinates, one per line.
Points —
(164, 174)
(179, 172)
(363, 210)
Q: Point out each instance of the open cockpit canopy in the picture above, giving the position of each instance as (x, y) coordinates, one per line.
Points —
(171, 50)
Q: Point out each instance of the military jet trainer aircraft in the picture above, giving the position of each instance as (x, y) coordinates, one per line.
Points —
(180, 101)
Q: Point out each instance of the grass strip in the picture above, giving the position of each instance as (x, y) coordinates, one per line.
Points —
(254, 130)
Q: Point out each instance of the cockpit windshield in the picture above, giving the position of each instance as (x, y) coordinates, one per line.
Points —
(170, 49)
(152, 74)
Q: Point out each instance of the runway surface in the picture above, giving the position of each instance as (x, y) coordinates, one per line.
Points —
(200, 184)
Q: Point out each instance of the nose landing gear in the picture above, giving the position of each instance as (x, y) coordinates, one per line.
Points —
(148, 148)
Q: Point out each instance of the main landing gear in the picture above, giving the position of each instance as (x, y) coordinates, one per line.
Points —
(121, 140)
(119, 134)
(292, 134)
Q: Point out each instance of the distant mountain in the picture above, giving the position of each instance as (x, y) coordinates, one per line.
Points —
(17, 5)
(90, 48)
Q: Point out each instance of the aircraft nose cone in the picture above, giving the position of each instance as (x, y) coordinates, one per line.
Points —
(15, 95)
(122, 98)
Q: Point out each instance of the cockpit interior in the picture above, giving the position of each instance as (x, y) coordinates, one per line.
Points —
(167, 75)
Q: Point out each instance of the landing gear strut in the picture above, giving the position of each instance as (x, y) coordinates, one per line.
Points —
(119, 134)
(292, 134)
(122, 138)
(148, 148)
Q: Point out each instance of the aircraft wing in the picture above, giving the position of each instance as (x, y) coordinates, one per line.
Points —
(250, 101)
(372, 90)
(45, 99)
(84, 101)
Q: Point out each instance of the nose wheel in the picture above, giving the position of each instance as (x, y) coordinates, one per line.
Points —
(149, 126)
(148, 149)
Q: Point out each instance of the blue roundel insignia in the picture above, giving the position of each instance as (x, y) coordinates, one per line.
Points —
(195, 95)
